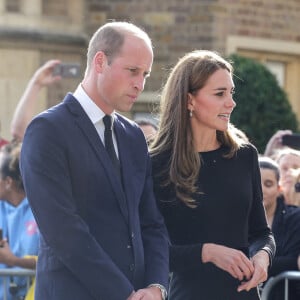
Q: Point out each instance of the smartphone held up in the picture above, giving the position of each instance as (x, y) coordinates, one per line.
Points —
(67, 70)
(291, 140)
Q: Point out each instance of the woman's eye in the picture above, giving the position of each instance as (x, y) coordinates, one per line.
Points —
(220, 94)
(268, 183)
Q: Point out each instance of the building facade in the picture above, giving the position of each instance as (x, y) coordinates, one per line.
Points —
(33, 31)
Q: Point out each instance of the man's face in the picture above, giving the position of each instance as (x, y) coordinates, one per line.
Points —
(121, 82)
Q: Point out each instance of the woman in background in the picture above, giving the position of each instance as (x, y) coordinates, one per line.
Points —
(20, 232)
(207, 183)
(284, 220)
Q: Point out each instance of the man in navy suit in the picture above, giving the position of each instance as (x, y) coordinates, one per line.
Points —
(102, 236)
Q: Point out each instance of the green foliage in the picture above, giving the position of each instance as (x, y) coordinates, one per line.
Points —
(262, 105)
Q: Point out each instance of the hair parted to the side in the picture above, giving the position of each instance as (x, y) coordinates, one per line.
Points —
(266, 162)
(110, 38)
(174, 136)
(10, 163)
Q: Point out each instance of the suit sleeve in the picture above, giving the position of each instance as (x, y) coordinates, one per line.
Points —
(46, 175)
(154, 235)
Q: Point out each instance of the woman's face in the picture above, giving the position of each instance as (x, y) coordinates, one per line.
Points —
(213, 104)
(270, 187)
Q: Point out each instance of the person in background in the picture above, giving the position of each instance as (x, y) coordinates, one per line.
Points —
(102, 235)
(26, 107)
(293, 195)
(289, 162)
(275, 142)
(284, 220)
(19, 229)
(207, 184)
(149, 129)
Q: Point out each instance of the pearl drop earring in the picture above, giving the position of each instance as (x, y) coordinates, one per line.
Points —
(191, 113)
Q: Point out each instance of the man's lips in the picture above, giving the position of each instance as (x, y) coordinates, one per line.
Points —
(133, 98)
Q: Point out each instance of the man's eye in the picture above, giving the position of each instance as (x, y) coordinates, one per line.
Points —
(132, 70)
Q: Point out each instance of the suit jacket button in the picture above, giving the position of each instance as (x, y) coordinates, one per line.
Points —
(131, 267)
(128, 247)
(132, 235)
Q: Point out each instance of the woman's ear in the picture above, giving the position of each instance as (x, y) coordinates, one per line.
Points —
(190, 102)
(8, 183)
(280, 189)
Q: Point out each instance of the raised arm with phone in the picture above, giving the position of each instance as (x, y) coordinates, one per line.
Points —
(26, 107)
(280, 139)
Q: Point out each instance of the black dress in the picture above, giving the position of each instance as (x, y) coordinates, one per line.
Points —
(229, 212)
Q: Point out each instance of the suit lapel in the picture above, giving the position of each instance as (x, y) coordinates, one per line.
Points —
(90, 132)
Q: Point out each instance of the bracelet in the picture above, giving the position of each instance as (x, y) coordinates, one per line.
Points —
(162, 290)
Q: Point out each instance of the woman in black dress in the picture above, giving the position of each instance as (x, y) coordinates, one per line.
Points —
(208, 187)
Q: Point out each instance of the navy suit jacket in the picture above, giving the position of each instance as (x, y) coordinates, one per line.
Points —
(100, 239)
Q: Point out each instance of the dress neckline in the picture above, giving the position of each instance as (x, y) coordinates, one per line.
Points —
(220, 148)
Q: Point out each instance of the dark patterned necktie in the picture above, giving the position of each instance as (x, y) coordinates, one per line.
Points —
(109, 145)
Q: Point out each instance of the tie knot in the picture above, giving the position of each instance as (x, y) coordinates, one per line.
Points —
(107, 121)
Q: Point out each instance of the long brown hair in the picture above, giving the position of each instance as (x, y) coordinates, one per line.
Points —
(175, 135)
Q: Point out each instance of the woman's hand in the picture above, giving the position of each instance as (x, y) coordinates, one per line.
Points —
(261, 262)
(233, 261)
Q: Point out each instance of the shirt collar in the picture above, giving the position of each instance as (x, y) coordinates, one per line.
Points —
(89, 106)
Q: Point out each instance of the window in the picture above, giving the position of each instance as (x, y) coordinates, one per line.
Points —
(54, 8)
(12, 5)
(278, 70)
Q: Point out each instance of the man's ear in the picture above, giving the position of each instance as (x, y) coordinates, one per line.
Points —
(99, 61)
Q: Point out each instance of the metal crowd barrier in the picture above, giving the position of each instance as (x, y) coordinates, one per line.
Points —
(286, 276)
(7, 273)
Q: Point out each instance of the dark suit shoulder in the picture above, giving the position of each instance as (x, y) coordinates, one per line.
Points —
(126, 122)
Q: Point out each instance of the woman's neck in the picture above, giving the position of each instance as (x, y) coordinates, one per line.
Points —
(205, 142)
(270, 212)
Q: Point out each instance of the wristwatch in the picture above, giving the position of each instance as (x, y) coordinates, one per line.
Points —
(162, 290)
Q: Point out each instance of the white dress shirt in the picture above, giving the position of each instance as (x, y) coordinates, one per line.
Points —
(94, 113)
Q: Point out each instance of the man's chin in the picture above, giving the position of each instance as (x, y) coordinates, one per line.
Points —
(125, 109)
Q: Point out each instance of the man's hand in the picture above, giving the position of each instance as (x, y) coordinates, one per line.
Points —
(149, 293)
(43, 76)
